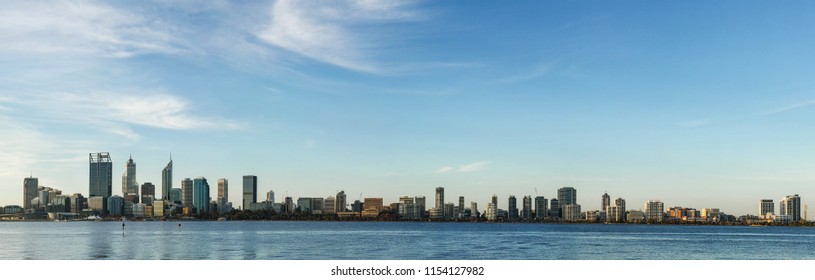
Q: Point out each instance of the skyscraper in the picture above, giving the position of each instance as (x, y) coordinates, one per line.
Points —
(460, 206)
(30, 185)
(791, 205)
(339, 205)
(200, 195)
(130, 188)
(540, 208)
(526, 210)
(620, 202)
(167, 180)
(100, 179)
(554, 208)
(270, 197)
(440, 201)
(606, 202)
(148, 193)
(654, 211)
(495, 201)
(512, 208)
(186, 193)
(765, 207)
(223, 191)
(250, 191)
(567, 195)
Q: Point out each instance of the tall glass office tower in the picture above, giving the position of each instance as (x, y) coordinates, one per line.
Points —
(100, 180)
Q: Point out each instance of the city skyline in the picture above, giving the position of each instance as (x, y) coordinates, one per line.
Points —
(697, 105)
(198, 194)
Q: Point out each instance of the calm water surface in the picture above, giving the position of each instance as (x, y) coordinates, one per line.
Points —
(396, 240)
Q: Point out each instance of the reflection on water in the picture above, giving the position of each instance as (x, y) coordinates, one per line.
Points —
(393, 240)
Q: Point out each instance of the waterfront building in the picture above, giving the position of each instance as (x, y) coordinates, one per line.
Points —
(571, 212)
(148, 193)
(591, 216)
(791, 205)
(711, 214)
(635, 216)
(78, 203)
(621, 203)
(615, 214)
(130, 187)
(566, 196)
(176, 196)
(490, 214)
(374, 203)
(494, 201)
(341, 203)
(766, 208)
(100, 179)
(304, 205)
(158, 208)
(554, 208)
(460, 213)
(512, 208)
(540, 208)
(200, 195)
(30, 185)
(167, 180)
(187, 193)
(127, 208)
(270, 196)
(606, 202)
(420, 208)
(654, 211)
(13, 209)
(139, 210)
(440, 200)
(289, 204)
(98, 203)
(406, 208)
(223, 196)
(357, 206)
(526, 210)
(474, 209)
(330, 205)
(449, 210)
(250, 190)
(317, 204)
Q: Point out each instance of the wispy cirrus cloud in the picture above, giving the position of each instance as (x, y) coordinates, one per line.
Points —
(328, 31)
(799, 105)
(475, 166)
(82, 27)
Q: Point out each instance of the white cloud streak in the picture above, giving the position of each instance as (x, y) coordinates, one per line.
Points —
(324, 30)
(804, 104)
(81, 27)
(471, 167)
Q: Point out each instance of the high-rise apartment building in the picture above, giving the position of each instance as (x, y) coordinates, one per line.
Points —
(167, 180)
(554, 208)
(526, 210)
(30, 185)
(130, 187)
(100, 179)
(512, 208)
(571, 212)
(200, 195)
(186, 193)
(250, 191)
(148, 193)
(766, 208)
(341, 202)
(606, 202)
(654, 211)
(223, 194)
(567, 196)
(495, 201)
(791, 205)
(540, 208)
(440, 201)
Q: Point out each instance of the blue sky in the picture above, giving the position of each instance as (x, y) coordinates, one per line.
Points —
(696, 104)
